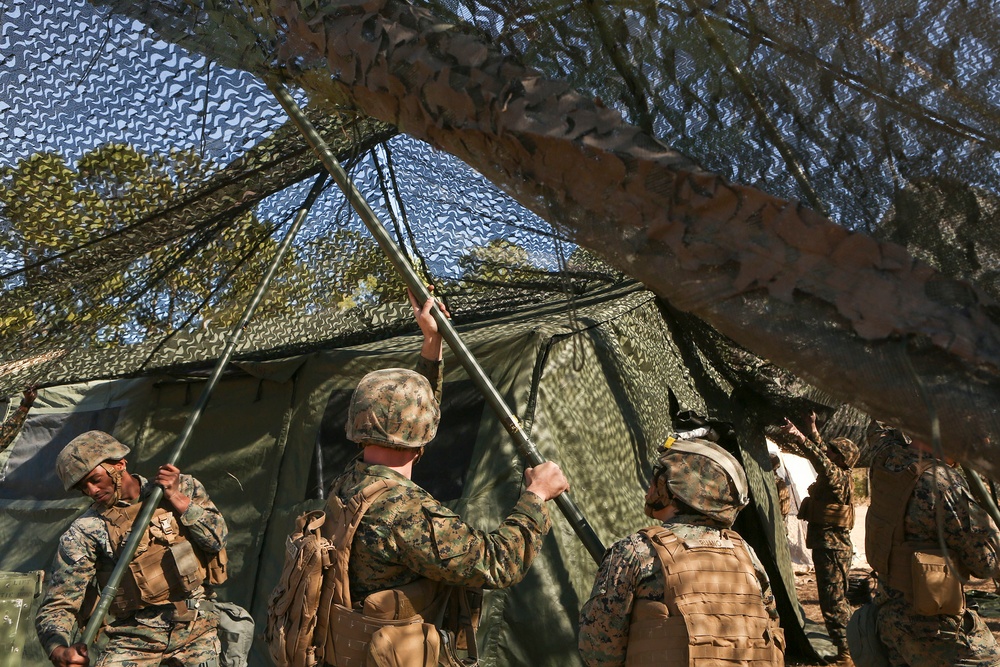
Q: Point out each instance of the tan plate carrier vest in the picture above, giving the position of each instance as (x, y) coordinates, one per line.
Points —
(828, 514)
(348, 635)
(713, 612)
(917, 569)
(167, 565)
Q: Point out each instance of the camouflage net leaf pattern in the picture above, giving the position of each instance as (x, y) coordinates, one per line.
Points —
(880, 116)
(143, 189)
(776, 277)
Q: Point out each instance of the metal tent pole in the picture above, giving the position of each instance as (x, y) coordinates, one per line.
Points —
(151, 501)
(525, 447)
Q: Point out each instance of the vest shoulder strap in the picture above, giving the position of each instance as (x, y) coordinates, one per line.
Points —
(119, 522)
(343, 520)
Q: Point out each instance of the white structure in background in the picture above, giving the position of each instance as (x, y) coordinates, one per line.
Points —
(798, 473)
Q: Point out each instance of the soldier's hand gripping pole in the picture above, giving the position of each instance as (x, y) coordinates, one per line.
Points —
(529, 453)
(152, 501)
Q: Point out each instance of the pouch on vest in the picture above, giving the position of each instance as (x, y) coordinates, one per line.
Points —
(161, 577)
(351, 632)
(218, 568)
(826, 514)
(454, 611)
(413, 645)
(937, 588)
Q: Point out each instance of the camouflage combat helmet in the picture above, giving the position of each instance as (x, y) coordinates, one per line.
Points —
(880, 433)
(848, 451)
(84, 453)
(703, 476)
(393, 408)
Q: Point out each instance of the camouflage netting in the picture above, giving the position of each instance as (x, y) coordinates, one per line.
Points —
(147, 182)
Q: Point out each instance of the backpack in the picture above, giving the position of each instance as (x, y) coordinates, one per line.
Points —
(295, 631)
(292, 607)
(235, 634)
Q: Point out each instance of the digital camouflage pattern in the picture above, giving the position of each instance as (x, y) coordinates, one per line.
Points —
(144, 641)
(832, 549)
(973, 542)
(86, 543)
(393, 407)
(84, 453)
(698, 481)
(846, 450)
(406, 534)
(12, 426)
(631, 571)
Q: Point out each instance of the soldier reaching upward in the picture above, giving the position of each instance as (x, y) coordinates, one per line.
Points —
(406, 537)
(829, 513)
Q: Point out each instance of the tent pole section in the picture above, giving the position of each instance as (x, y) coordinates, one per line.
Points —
(529, 453)
(150, 503)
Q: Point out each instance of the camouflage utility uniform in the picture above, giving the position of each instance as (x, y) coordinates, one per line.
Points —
(973, 542)
(831, 545)
(406, 534)
(631, 571)
(150, 635)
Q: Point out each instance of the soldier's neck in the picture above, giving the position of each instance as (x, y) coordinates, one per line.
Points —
(130, 488)
(399, 460)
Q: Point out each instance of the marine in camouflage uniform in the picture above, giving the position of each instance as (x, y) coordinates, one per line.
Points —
(832, 550)
(973, 542)
(406, 534)
(12, 426)
(631, 571)
(150, 636)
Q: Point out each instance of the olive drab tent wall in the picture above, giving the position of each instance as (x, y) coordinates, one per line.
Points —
(594, 381)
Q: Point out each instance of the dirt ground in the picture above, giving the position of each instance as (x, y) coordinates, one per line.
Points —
(805, 588)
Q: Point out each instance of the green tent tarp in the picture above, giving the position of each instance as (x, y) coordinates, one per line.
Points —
(591, 381)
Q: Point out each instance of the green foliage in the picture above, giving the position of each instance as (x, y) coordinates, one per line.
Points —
(56, 220)
(54, 217)
(499, 261)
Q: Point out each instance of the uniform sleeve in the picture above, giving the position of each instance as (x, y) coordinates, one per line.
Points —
(766, 594)
(435, 543)
(969, 532)
(837, 477)
(11, 427)
(605, 617)
(205, 524)
(73, 568)
(434, 372)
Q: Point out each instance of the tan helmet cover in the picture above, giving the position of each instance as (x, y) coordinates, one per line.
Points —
(84, 453)
(394, 408)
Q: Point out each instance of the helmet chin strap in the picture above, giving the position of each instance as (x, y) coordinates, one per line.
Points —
(116, 480)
